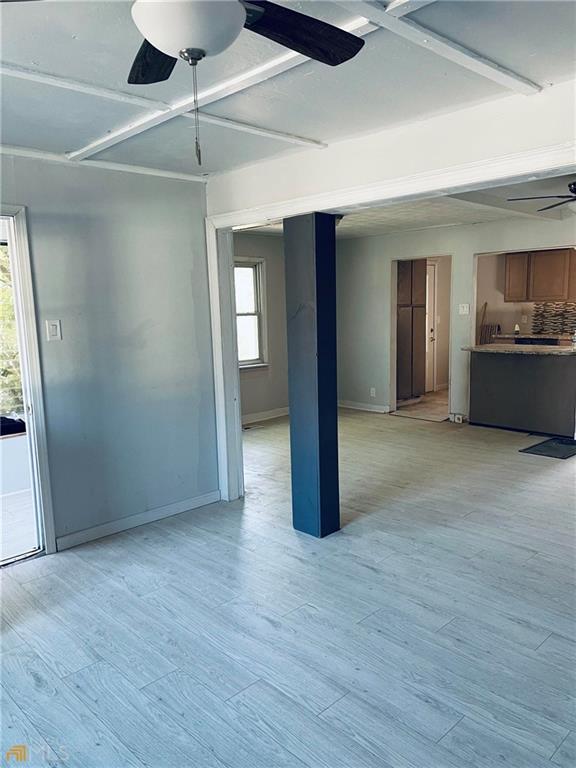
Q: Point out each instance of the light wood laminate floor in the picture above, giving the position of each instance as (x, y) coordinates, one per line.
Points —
(436, 630)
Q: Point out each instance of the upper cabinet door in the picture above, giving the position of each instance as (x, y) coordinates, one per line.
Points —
(516, 287)
(572, 279)
(549, 275)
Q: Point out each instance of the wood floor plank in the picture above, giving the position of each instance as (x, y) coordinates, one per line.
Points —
(15, 728)
(63, 650)
(363, 722)
(218, 726)
(132, 717)
(271, 662)
(315, 743)
(481, 747)
(59, 716)
(107, 638)
(520, 724)
(565, 755)
(185, 650)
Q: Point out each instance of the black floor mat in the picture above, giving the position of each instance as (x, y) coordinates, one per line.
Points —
(557, 448)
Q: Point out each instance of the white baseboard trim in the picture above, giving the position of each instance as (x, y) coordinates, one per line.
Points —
(125, 523)
(364, 406)
(252, 418)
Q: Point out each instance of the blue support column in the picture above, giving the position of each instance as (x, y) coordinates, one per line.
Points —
(310, 263)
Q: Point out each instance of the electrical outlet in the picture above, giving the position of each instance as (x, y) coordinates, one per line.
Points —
(463, 309)
(524, 319)
(372, 391)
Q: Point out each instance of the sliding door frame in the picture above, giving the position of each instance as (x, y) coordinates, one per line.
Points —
(31, 373)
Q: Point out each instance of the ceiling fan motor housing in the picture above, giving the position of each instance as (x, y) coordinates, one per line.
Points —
(173, 26)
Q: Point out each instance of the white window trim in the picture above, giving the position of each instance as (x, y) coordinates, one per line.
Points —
(262, 310)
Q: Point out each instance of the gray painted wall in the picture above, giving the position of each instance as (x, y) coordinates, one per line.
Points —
(266, 389)
(120, 259)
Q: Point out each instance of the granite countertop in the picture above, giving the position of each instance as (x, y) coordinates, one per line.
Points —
(522, 349)
(559, 336)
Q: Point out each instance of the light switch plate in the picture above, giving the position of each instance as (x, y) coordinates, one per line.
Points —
(464, 309)
(53, 330)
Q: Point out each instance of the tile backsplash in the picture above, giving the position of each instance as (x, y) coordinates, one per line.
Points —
(554, 317)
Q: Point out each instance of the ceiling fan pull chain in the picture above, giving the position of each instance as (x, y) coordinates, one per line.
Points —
(196, 116)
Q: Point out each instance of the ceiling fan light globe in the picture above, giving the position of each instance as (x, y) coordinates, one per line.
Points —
(175, 25)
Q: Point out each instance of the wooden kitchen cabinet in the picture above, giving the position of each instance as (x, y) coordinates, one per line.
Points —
(572, 278)
(541, 275)
(549, 274)
(516, 286)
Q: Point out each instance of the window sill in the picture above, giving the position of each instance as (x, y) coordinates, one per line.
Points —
(250, 366)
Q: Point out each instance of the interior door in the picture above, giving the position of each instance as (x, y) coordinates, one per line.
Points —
(430, 327)
(411, 329)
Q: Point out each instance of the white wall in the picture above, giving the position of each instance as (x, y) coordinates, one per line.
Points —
(120, 259)
(365, 298)
(265, 390)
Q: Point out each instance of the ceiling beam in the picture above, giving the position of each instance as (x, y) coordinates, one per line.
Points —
(254, 76)
(442, 46)
(54, 157)
(399, 8)
(152, 106)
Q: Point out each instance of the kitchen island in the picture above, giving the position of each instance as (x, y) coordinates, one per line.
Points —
(531, 388)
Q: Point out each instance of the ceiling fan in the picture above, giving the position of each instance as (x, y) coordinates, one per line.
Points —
(564, 199)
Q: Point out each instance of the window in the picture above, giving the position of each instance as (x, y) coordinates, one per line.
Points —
(249, 291)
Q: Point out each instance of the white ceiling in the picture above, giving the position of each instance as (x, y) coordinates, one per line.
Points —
(472, 208)
(391, 81)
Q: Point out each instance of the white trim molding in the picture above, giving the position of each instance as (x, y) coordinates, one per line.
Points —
(354, 406)
(152, 106)
(254, 418)
(53, 157)
(442, 46)
(133, 521)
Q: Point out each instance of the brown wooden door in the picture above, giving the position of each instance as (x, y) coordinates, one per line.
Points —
(549, 275)
(516, 286)
(411, 329)
(404, 354)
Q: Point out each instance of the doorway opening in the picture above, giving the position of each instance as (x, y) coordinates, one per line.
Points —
(24, 498)
(423, 338)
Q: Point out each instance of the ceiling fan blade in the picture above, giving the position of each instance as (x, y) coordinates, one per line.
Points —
(150, 66)
(556, 205)
(306, 35)
(541, 197)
